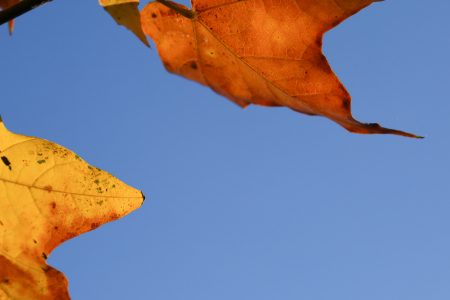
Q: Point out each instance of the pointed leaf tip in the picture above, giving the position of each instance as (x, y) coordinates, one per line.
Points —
(56, 197)
(355, 126)
(6, 4)
(126, 13)
(2, 127)
(11, 27)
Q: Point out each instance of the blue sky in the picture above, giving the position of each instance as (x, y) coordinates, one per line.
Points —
(247, 204)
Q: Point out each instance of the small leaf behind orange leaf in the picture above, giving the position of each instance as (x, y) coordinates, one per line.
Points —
(259, 52)
(126, 13)
(48, 195)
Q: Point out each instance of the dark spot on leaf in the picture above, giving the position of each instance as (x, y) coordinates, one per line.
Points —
(48, 188)
(346, 103)
(94, 225)
(194, 65)
(6, 161)
(41, 161)
(319, 41)
(336, 22)
(5, 280)
(34, 241)
(53, 204)
(154, 15)
(323, 63)
(56, 227)
(44, 255)
(373, 125)
(114, 216)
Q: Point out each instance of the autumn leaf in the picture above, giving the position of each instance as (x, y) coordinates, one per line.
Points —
(4, 4)
(259, 52)
(48, 195)
(126, 13)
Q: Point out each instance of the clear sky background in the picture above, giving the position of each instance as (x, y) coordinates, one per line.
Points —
(261, 203)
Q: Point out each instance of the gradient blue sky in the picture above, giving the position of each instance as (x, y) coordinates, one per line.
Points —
(247, 204)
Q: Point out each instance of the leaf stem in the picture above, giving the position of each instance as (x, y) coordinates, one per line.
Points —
(19, 9)
(178, 8)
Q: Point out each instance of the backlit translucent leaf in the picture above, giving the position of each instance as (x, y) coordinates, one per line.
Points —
(260, 52)
(48, 195)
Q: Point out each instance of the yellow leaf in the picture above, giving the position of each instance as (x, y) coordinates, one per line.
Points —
(266, 53)
(126, 13)
(48, 195)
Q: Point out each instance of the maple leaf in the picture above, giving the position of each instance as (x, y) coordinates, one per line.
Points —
(4, 4)
(126, 13)
(259, 52)
(48, 195)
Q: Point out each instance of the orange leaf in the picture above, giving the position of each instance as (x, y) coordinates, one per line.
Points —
(48, 195)
(259, 52)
